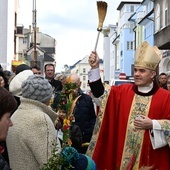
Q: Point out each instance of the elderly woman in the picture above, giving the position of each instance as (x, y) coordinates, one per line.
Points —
(7, 106)
(30, 141)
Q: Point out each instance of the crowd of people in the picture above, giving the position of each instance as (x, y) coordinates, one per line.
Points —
(31, 141)
(129, 131)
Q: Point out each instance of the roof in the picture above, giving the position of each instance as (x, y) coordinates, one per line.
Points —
(147, 17)
(127, 2)
(37, 47)
(48, 57)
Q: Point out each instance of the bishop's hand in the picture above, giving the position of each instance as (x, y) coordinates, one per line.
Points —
(94, 60)
(143, 123)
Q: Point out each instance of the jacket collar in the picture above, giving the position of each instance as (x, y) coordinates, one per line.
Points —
(39, 105)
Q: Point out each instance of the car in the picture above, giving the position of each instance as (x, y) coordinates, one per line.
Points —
(120, 81)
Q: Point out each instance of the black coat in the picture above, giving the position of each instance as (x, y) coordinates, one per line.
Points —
(56, 84)
(3, 164)
(85, 116)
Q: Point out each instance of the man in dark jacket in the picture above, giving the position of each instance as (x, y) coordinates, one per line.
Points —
(84, 114)
(162, 80)
(49, 74)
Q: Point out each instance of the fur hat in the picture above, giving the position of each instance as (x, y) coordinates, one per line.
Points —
(147, 56)
(77, 160)
(21, 68)
(37, 87)
(16, 82)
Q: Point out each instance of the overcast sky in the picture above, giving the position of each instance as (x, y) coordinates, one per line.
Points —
(73, 23)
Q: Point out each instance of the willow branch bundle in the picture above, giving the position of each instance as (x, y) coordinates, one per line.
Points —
(102, 9)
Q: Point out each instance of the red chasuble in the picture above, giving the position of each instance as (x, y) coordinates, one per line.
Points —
(116, 144)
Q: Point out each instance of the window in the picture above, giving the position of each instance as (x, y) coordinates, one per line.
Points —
(24, 40)
(166, 17)
(165, 14)
(149, 6)
(121, 52)
(84, 70)
(127, 8)
(84, 78)
(157, 18)
(131, 8)
(19, 30)
(129, 45)
(145, 34)
(148, 31)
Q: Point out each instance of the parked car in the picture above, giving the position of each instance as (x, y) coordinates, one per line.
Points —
(120, 81)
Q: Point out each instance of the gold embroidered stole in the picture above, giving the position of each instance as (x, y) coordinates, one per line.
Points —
(134, 138)
(99, 120)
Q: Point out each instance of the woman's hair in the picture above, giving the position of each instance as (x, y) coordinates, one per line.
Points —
(5, 80)
(8, 103)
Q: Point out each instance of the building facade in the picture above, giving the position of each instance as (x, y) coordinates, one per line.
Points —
(143, 19)
(8, 20)
(109, 32)
(17, 44)
(81, 68)
(162, 32)
(120, 41)
(147, 20)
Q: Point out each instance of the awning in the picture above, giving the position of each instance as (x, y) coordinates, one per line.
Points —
(17, 63)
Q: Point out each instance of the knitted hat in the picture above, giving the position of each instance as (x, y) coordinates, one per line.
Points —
(37, 87)
(84, 162)
(77, 160)
(16, 82)
(21, 68)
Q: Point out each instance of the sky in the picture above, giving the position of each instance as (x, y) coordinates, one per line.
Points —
(73, 23)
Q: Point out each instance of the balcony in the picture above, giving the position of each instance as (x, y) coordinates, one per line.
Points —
(162, 38)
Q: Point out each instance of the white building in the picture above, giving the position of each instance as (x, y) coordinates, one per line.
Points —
(109, 53)
(8, 15)
(81, 68)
